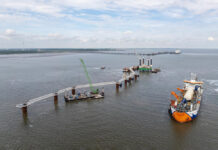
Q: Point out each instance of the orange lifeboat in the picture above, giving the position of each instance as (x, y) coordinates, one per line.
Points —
(181, 117)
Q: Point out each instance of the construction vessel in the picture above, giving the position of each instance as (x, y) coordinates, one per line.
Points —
(187, 104)
(82, 96)
(145, 67)
(93, 94)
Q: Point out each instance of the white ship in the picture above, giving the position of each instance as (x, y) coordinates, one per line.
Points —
(186, 105)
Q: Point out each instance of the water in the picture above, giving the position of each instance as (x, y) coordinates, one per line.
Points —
(135, 118)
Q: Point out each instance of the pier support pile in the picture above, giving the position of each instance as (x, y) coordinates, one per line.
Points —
(56, 98)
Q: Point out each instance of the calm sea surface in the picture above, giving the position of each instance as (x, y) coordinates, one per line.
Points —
(135, 118)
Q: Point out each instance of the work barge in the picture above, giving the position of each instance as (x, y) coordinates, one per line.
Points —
(129, 74)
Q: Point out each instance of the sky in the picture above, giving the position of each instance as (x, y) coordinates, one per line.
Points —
(108, 23)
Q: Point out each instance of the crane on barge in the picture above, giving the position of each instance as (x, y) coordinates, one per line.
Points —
(94, 91)
(93, 94)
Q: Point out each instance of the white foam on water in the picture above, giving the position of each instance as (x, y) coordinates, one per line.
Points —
(96, 68)
(213, 82)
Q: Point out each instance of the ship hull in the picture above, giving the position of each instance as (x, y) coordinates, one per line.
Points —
(94, 96)
(145, 69)
(183, 117)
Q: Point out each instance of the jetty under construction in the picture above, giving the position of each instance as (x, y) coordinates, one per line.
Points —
(129, 74)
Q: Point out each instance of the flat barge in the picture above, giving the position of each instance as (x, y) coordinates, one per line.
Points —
(83, 96)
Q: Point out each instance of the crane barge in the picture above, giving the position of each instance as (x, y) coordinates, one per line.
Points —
(93, 94)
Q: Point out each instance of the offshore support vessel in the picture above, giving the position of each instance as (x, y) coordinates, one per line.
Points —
(143, 67)
(187, 104)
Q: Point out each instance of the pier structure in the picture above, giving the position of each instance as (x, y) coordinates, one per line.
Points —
(127, 77)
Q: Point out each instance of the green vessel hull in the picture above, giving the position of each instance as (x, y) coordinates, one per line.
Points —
(145, 69)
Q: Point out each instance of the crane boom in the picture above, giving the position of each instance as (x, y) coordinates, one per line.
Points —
(87, 76)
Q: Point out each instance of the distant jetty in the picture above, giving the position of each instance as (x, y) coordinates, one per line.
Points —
(66, 50)
(142, 54)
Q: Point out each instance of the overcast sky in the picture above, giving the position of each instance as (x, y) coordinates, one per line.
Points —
(109, 23)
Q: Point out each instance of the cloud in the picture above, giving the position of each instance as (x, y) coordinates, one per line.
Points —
(10, 32)
(210, 38)
(67, 8)
(31, 6)
(57, 8)
(106, 23)
(128, 32)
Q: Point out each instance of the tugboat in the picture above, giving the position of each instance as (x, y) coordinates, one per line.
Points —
(187, 104)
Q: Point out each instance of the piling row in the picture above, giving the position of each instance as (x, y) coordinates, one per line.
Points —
(129, 76)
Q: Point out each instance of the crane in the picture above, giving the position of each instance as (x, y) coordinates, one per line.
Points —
(89, 79)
